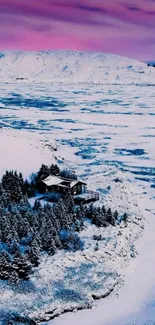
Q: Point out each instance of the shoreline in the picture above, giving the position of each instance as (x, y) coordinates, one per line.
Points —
(75, 309)
(132, 303)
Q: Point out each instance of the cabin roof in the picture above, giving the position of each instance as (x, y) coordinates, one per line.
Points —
(73, 183)
(56, 180)
(52, 180)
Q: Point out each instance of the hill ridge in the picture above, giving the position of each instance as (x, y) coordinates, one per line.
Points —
(72, 67)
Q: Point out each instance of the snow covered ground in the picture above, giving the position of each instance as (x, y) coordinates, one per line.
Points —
(20, 150)
(104, 131)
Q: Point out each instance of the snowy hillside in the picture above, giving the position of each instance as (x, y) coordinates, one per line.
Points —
(72, 67)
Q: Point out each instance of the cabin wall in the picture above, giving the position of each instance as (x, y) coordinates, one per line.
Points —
(61, 189)
(78, 189)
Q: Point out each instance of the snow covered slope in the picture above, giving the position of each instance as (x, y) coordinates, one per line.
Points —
(73, 67)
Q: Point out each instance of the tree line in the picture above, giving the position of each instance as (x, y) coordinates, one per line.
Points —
(26, 231)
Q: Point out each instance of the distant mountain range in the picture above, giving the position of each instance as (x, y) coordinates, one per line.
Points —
(72, 67)
(151, 63)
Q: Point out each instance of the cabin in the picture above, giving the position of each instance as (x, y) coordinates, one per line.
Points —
(58, 184)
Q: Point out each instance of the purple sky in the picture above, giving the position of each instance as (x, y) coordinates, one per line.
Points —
(125, 27)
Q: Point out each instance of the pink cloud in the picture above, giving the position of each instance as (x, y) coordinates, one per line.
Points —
(125, 27)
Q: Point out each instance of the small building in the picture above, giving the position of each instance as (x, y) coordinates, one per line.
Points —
(55, 187)
(57, 184)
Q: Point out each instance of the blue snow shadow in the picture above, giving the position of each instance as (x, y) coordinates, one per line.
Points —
(130, 152)
(66, 294)
(87, 153)
(45, 103)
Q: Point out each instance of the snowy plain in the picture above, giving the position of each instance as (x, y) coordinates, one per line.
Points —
(104, 127)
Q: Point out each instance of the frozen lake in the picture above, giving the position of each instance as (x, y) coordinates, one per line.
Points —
(112, 124)
(102, 125)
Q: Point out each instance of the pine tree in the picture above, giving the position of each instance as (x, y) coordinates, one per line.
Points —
(69, 203)
(90, 212)
(37, 205)
(103, 209)
(52, 249)
(43, 172)
(4, 266)
(33, 252)
(14, 247)
(125, 218)
(99, 220)
(54, 170)
(21, 265)
(11, 183)
(116, 215)
(5, 227)
(13, 277)
(108, 216)
(57, 241)
(96, 247)
(21, 182)
(28, 188)
(80, 213)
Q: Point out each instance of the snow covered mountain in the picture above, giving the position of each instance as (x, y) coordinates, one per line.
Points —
(73, 67)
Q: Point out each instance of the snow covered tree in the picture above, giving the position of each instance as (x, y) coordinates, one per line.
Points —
(12, 184)
(71, 240)
(81, 214)
(21, 265)
(90, 211)
(108, 216)
(68, 174)
(33, 252)
(14, 247)
(52, 249)
(13, 277)
(4, 266)
(69, 203)
(28, 188)
(43, 172)
(54, 169)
